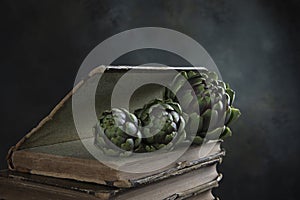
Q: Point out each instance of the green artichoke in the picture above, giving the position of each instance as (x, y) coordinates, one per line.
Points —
(162, 125)
(117, 130)
(213, 98)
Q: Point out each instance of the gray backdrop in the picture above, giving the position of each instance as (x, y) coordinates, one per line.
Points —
(254, 43)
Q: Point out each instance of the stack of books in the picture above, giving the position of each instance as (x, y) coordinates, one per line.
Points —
(53, 162)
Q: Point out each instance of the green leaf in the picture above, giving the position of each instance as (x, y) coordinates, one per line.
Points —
(150, 148)
(128, 145)
(181, 125)
(215, 134)
(138, 140)
(226, 133)
(176, 107)
(197, 80)
(222, 84)
(117, 141)
(130, 128)
(176, 116)
(169, 138)
(159, 146)
(218, 106)
(231, 94)
(234, 115)
(191, 74)
(198, 140)
(213, 75)
(214, 118)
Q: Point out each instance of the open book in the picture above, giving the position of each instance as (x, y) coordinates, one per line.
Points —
(56, 148)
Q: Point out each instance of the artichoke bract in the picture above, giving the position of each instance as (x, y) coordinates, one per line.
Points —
(162, 125)
(213, 98)
(117, 132)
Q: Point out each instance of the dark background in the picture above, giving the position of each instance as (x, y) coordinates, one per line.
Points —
(255, 44)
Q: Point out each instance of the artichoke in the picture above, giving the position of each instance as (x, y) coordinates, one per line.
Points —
(117, 132)
(213, 98)
(162, 125)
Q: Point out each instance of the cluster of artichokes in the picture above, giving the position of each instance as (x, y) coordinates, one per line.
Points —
(161, 124)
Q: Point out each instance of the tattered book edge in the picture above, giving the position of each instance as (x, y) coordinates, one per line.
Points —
(179, 170)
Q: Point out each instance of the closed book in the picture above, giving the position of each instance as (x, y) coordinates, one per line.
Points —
(194, 184)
